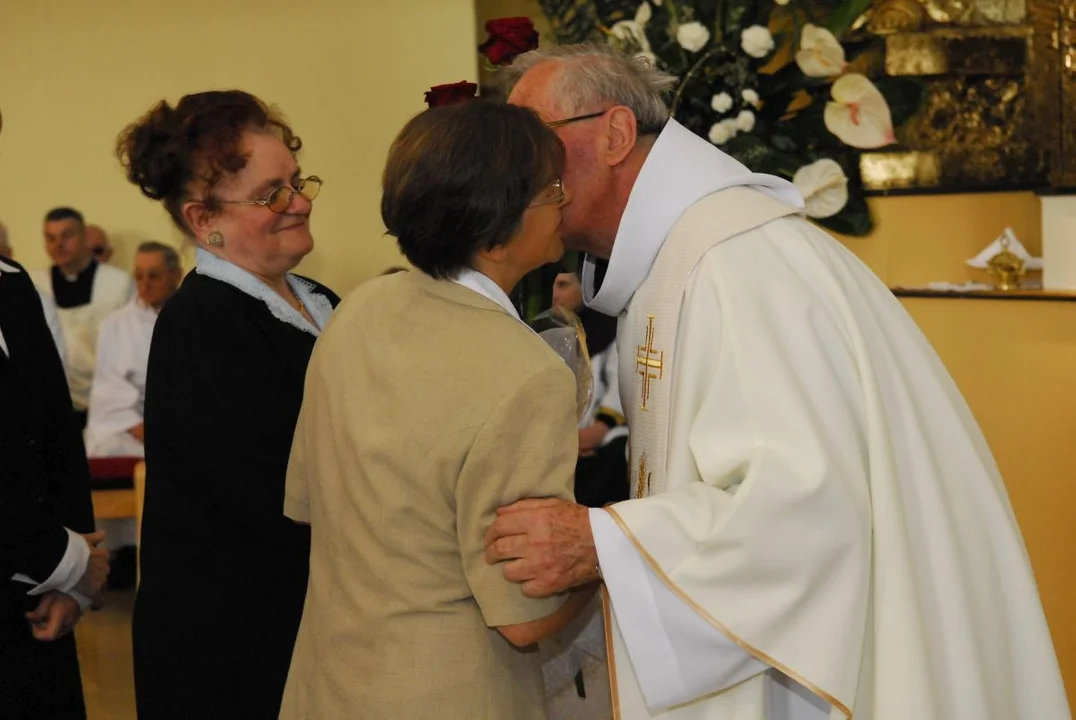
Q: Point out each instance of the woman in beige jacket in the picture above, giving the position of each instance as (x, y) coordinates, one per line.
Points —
(429, 404)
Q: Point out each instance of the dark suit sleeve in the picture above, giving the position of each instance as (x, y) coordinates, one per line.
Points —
(50, 488)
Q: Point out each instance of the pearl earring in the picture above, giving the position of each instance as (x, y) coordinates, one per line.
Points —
(215, 239)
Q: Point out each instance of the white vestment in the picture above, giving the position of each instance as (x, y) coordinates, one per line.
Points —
(118, 397)
(112, 288)
(53, 320)
(820, 530)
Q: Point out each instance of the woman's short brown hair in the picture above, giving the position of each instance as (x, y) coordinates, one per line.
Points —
(168, 148)
(459, 178)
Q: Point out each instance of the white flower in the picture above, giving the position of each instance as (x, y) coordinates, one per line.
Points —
(751, 98)
(627, 31)
(745, 121)
(820, 55)
(824, 187)
(757, 41)
(782, 3)
(721, 103)
(859, 115)
(658, 2)
(692, 36)
(643, 14)
(722, 132)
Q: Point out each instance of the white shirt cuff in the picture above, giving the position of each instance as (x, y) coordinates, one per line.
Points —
(676, 654)
(67, 573)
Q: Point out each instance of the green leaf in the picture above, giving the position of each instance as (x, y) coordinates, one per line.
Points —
(848, 12)
(736, 14)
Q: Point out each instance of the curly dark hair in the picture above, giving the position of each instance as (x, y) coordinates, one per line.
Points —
(459, 178)
(170, 148)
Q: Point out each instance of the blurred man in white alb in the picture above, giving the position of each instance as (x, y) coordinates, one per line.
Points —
(114, 428)
(84, 292)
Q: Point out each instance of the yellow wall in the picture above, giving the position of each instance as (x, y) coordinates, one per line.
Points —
(346, 73)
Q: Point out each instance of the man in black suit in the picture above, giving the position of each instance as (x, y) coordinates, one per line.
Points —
(50, 566)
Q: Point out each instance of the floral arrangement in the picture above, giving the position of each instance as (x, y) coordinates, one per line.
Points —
(778, 84)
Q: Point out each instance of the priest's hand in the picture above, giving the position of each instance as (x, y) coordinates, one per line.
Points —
(55, 616)
(547, 544)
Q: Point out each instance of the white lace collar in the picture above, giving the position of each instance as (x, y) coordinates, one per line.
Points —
(316, 304)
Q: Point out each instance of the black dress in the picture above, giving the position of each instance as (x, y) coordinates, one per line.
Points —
(224, 572)
(44, 487)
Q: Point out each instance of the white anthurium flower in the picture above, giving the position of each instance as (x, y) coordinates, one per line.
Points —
(751, 98)
(824, 187)
(692, 36)
(745, 121)
(820, 55)
(627, 31)
(643, 14)
(757, 41)
(859, 115)
(721, 103)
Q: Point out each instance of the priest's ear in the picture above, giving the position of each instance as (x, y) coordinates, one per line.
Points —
(621, 134)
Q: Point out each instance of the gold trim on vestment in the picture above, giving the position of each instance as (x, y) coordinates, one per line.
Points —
(607, 615)
(758, 654)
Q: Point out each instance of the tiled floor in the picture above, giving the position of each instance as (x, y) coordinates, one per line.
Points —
(104, 652)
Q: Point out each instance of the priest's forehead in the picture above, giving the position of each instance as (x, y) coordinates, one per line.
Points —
(537, 90)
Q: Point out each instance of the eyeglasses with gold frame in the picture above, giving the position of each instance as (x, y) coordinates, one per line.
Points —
(557, 197)
(279, 200)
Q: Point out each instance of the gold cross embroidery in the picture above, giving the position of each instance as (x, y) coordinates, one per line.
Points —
(642, 482)
(646, 362)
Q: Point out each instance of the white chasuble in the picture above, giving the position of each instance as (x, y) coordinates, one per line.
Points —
(818, 529)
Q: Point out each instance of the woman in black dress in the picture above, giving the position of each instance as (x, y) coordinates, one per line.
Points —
(224, 573)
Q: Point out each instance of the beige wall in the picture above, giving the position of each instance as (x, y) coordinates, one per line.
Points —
(346, 73)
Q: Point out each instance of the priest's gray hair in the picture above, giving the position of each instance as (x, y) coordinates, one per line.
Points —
(171, 257)
(596, 74)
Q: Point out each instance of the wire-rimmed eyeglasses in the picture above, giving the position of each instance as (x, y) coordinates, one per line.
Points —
(279, 200)
(557, 197)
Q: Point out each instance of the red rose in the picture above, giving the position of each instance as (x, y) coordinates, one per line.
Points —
(508, 37)
(440, 95)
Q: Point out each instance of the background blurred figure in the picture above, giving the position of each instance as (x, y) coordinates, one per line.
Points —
(601, 475)
(47, 304)
(97, 240)
(84, 292)
(117, 400)
(224, 573)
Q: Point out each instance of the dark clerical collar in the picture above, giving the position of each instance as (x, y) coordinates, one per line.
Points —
(73, 293)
